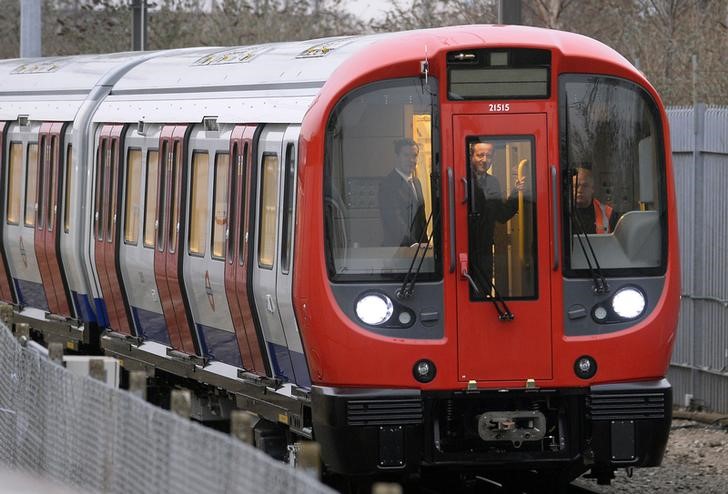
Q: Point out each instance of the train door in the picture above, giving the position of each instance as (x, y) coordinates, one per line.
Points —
(204, 260)
(47, 227)
(138, 214)
(265, 263)
(6, 294)
(284, 282)
(170, 224)
(503, 246)
(20, 215)
(240, 200)
(106, 232)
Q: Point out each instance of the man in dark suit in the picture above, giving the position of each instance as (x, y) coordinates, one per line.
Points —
(489, 207)
(401, 204)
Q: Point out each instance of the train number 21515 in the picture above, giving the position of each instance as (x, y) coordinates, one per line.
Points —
(499, 107)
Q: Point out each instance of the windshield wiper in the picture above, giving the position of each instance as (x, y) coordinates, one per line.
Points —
(408, 284)
(595, 271)
(504, 313)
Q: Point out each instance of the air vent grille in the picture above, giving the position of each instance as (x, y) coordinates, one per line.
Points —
(384, 412)
(627, 406)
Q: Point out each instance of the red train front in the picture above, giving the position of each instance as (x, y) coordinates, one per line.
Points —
(489, 252)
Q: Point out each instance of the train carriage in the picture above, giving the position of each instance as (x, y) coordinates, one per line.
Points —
(249, 213)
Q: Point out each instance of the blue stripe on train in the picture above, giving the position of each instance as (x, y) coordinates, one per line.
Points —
(150, 325)
(101, 314)
(83, 306)
(289, 366)
(219, 345)
(31, 294)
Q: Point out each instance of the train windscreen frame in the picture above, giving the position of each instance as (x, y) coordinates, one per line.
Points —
(367, 236)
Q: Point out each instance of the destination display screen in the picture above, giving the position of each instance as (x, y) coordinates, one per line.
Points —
(502, 74)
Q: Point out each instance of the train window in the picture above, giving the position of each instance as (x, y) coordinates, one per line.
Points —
(288, 190)
(237, 162)
(174, 192)
(14, 183)
(31, 185)
(112, 169)
(161, 208)
(150, 197)
(199, 202)
(220, 197)
(67, 201)
(381, 194)
(614, 195)
(55, 163)
(100, 172)
(132, 199)
(243, 170)
(501, 217)
(41, 178)
(268, 211)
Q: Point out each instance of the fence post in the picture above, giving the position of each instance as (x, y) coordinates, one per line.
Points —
(309, 458)
(181, 402)
(55, 352)
(698, 281)
(386, 488)
(138, 384)
(241, 425)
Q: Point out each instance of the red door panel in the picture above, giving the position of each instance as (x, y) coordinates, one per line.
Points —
(47, 236)
(6, 294)
(108, 189)
(241, 146)
(490, 349)
(170, 214)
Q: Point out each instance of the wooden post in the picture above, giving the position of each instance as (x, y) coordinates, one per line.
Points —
(96, 369)
(181, 402)
(138, 384)
(241, 426)
(309, 458)
(55, 352)
(386, 488)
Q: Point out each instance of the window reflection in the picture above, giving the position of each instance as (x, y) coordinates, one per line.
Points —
(501, 215)
(614, 182)
(380, 196)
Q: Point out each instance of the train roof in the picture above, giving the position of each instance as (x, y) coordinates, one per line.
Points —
(274, 73)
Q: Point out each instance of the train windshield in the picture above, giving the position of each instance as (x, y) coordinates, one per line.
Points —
(381, 194)
(614, 189)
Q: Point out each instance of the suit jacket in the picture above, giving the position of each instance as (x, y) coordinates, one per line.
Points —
(403, 215)
(489, 208)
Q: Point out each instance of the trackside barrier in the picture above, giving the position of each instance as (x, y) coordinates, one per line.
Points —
(699, 365)
(79, 432)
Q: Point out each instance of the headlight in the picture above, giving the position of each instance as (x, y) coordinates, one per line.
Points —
(628, 303)
(374, 309)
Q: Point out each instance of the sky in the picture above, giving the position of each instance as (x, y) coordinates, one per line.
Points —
(369, 9)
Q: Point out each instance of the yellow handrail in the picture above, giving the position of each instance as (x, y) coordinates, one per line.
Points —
(521, 220)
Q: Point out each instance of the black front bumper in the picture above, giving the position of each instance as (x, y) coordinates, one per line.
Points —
(368, 431)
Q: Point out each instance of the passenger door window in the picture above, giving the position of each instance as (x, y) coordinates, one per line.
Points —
(268, 211)
(31, 185)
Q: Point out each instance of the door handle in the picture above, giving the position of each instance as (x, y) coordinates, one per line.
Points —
(464, 272)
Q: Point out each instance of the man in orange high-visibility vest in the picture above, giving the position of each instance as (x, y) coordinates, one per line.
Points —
(593, 215)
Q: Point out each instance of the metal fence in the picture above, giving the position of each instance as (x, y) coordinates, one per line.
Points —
(82, 433)
(699, 367)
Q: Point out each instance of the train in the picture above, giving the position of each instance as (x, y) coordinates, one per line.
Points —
(448, 250)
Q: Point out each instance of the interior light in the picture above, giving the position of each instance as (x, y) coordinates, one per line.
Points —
(628, 303)
(374, 309)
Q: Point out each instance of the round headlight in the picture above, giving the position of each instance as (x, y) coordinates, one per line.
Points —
(628, 303)
(374, 309)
